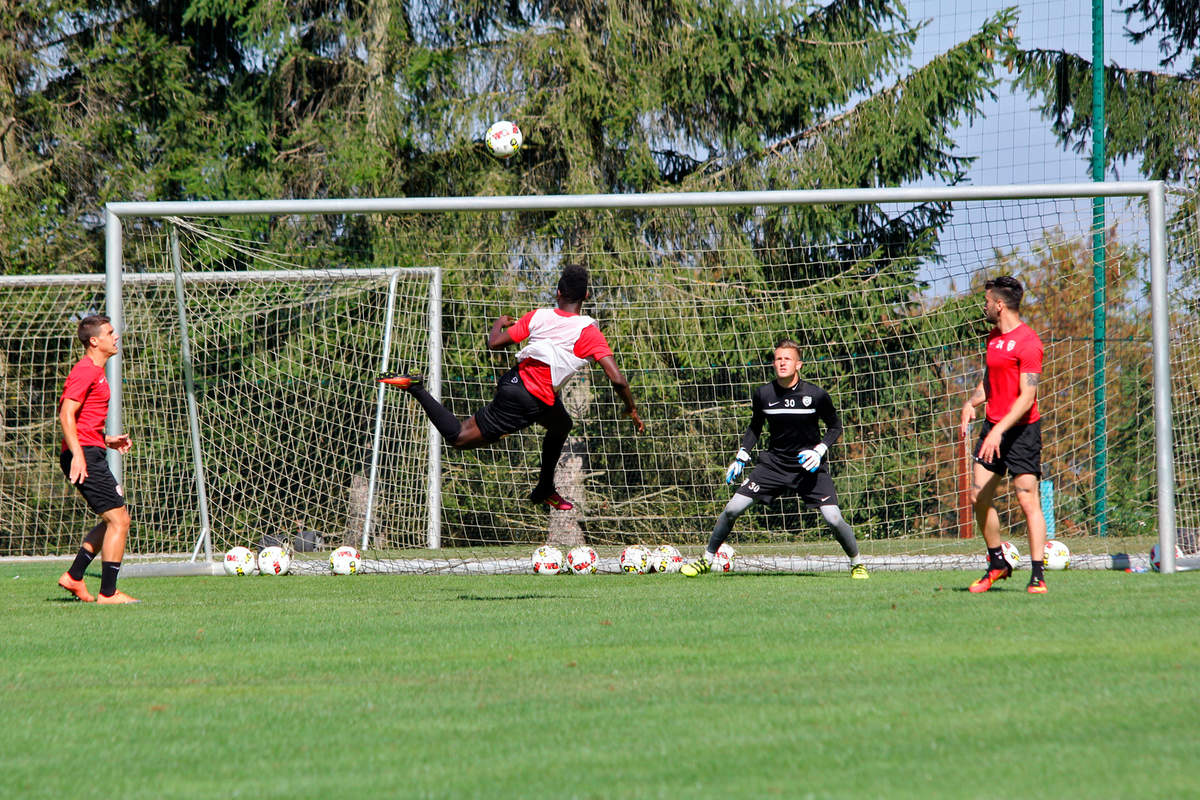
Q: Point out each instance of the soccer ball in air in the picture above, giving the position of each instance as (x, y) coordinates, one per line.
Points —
(1156, 562)
(504, 139)
(581, 560)
(547, 560)
(240, 561)
(1056, 555)
(666, 558)
(723, 562)
(345, 561)
(1011, 554)
(635, 559)
(274, 561)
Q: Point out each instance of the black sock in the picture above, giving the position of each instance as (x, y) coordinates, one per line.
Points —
(80, 565)
(446, 423)
(1036, 570)
(996, 558)
(108, 577)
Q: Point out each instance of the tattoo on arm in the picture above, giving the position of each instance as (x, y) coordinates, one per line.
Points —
(1031, 379)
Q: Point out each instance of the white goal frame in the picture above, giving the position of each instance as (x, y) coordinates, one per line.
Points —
(1152, 192)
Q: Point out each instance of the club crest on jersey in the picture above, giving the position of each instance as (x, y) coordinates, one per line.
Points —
(1011, 345)
(807, 400)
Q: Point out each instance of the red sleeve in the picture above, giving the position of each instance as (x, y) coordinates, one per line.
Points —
(1031, 356)
(79, 380)
(592, 344)
(519, 330)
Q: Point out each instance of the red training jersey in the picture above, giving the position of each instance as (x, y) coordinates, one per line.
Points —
(86, 384)
(560, 344)
(1009, 355)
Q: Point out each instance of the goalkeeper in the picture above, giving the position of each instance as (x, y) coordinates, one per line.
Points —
(559, 342)
(794, 462)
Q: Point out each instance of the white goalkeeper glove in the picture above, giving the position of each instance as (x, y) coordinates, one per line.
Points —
(739, 463)
(811, 459)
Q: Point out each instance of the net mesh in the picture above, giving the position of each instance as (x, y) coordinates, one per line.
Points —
(285, 353)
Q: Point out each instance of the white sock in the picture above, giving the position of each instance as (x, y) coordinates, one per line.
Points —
(710, 557)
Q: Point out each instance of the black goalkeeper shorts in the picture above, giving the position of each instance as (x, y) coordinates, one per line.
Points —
(778, 474)
(100, 489)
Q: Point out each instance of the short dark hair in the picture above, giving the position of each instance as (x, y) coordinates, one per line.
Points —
(90, 326)
(1007, 289)
(573, 285)
(788, 344)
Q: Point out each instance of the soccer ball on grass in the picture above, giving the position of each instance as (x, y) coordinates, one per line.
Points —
(666, 558)
(581, 560)
(345, 561)
(1056, 555)
(723, 562)
(1156, 562)
(240, 561)
(503, 139)
(635, 559)
(547, 560)
(274, 561)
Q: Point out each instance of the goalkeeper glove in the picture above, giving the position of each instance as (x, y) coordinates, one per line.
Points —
(739, 463)
(811, 459)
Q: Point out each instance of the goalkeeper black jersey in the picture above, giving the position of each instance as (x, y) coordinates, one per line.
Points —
(793, 416)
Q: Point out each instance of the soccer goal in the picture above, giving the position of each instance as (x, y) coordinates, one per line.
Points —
(253, 332)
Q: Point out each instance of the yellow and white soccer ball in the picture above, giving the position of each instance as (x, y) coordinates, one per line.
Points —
(723, 560)
(274, 561)
(666, 558)
(581, 560)
(635, 559)
(1056, 555)
(345, 561)
(240, 561)
(504, 139)
(547, 560)
(1011, 554)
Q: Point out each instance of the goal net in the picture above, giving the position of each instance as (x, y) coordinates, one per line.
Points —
(287, 319)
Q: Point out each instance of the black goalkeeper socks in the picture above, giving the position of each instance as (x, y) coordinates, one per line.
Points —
(80, 565)
(996, 558)
(1036, 570)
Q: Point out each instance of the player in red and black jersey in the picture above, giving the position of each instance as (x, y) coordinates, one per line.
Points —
(558, 342)
(793, 462)
(82, 410)
(1011, 438)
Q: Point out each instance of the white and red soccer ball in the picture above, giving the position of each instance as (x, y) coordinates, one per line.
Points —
(666, 558)
(547, 560)
(581, 560)
(1011, 554)
(240, 561)
(1056, 555)
(723, 559)
(504, 139)
(345, 561)
(274, 561)
(635, 559)
(1156, 562)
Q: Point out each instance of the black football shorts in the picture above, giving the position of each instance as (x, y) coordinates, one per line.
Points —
(100, 489)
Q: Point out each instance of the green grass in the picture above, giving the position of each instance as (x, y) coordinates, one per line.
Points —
(600, 686)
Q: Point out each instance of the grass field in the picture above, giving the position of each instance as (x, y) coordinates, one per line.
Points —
(603, 686)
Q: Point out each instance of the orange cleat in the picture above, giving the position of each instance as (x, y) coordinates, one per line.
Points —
(77, 588)
(116, 598)
(990, 577)
(400, 380)
(1036, 586)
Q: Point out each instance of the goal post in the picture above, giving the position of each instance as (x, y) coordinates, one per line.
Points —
(691, 289)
